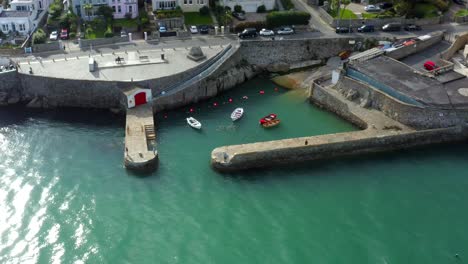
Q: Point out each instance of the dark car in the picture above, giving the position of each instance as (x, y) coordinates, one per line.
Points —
(385, 5)
(459, 2)
(248, 32)
(204, 29)
(412, 27)
(391, 27)
(239, 16)
(343, 30)
(366, 28)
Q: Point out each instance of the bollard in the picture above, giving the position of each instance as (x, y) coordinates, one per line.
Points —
(29, 62)
(162, 56)
(65, 58)
(125, 51)
(77, 57)
(53, 60)
(101, 54)
(113, 53)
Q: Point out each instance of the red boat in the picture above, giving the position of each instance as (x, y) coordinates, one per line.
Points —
(267, 119)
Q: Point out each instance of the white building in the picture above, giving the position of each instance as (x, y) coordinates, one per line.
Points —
(250, 5)
(120, 7)
(185, 5)
(23, 16)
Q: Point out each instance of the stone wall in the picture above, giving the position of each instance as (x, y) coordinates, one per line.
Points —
(413, 116)
(87, 43)
(9, 93)
(52, 46)
(405, 51)
(289, 51)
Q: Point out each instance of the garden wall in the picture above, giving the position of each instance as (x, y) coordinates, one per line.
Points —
(87, 43)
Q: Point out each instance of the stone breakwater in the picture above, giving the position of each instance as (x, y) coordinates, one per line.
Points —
(380, 133)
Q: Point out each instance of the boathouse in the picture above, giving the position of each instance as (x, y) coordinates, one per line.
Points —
(137, 96)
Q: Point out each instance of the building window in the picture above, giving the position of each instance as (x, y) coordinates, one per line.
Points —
(113, 8)
(130, 9)
(22, 27)
(190, 2)
(40, 4)
(119, 9)
(5, 27)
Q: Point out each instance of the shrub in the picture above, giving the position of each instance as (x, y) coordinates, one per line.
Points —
(281, 18)
(108, 33)
(204, 11)
(39, 37)
(89, 31)
(287, 4)
(261, 9)
(72, 35)
(441, 5)
(258, 25)
(237, 8)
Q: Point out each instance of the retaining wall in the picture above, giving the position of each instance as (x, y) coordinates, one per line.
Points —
(86, 43)
(410, 115)
(56, 45)
(263, 53)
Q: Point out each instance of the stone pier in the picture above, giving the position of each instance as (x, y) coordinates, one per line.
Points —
(140, 151)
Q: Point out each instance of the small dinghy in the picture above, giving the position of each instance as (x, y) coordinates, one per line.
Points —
(237, 113)
(193, 123)
(271, 123)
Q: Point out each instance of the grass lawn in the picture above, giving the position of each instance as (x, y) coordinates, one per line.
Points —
(344, 14)
(126, 23)
(462, 13)
(98, 32)
(194, 18)
(425, 10)
(369, 15)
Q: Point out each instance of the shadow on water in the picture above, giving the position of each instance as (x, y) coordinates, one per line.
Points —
(20, 114)
(323, 167)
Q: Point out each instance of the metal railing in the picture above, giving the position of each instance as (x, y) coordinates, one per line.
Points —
(204, 71)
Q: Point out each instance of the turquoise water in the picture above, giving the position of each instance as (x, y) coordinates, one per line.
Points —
(65, 198)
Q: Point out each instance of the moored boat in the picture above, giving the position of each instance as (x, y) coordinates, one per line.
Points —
(193, 122)
(267, 118)
(237, 113)
(271, 123)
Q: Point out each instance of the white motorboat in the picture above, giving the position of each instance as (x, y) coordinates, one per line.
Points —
(237, 113)
(193, 123)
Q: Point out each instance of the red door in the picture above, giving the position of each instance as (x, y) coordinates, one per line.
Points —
(140, 98)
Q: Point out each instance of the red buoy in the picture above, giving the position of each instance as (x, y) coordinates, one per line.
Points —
(262, 92)
(230, 100)
(191, 110)
(215, 104)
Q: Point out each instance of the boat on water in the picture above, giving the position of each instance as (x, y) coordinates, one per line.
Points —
(237, 113)
(193, 122)
(271, 123)
(267, 118)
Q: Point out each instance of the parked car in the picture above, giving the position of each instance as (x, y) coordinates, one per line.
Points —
(372, 8)
(248, 32)
(392, 27)
(162, 29)
(64, 34)
(193, 29)
(366, 28)
(285, 31)
(267, 32)
(239, 16)
(53, 35)
(459, 2)
(123, 33)
(204, 29)
(343, 30)
(385, 5)
(412, 27)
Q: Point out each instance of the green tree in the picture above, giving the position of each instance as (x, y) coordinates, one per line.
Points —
(106, 12)
(88, 8)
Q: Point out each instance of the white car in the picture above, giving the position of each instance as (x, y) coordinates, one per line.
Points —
(285, 31)
(193, 29)
(372, 8)
(266, 32)
(53, 35)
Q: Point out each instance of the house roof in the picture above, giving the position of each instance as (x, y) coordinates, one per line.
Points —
(13, 13)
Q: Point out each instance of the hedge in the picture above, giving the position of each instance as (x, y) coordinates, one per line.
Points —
(282, 18)
(258, 25)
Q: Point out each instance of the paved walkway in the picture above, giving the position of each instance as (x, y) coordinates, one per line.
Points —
(315, 20)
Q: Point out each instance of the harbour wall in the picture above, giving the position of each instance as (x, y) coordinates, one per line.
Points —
(321, 147)
(251, 58)
(410, 115)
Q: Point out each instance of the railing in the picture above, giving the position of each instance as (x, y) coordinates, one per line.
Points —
(203, 72)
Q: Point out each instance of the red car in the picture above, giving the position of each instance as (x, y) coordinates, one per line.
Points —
(64, 34)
